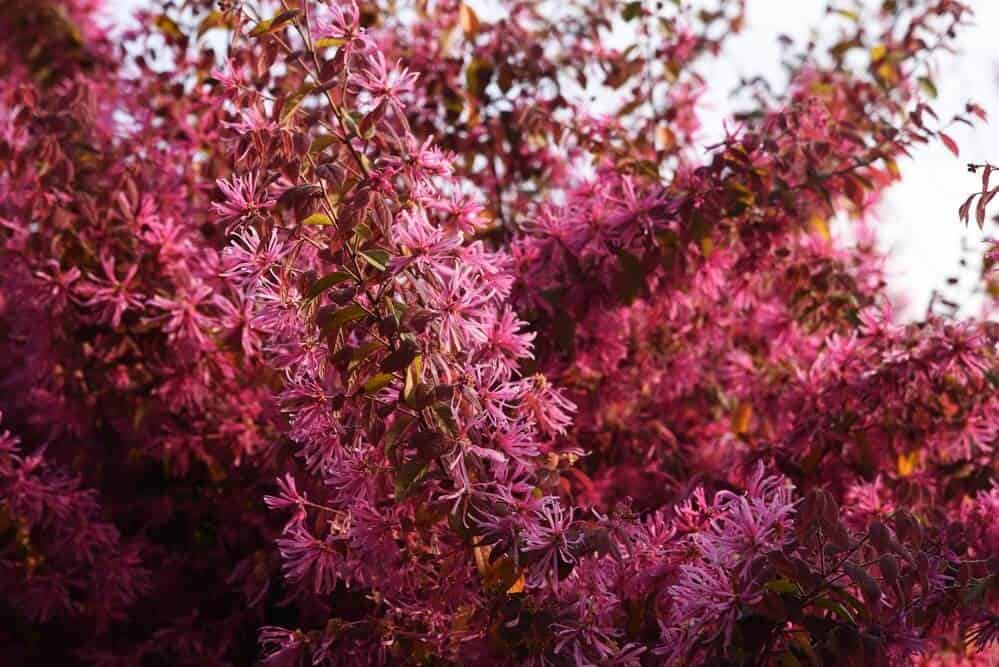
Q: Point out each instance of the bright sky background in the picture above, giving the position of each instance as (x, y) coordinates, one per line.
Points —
(919, 224)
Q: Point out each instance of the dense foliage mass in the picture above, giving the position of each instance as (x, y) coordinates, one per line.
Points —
(389, 333)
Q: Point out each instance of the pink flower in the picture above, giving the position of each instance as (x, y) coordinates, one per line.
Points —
(495, 394)
(248, 258)
(706, 595)
(241, 198)
(308, 560)
(342, 23)
(288, 498)
(429, 160)
(236, 314)
(516, 441)
(383, 84)
(464, 212)
(113, 295)
(550, 409)
(183, 320)
(57, 283)
(426, 247)
(228, 76)
(507, 340)
(551, 542)
(281, 647)
(459, 304)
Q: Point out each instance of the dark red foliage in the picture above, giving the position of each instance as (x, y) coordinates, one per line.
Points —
(337, 334)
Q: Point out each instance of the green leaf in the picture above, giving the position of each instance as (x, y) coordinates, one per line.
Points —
(801, 647)
(349, 123)
(632, 10)
(412, 380)
(168, 26)
(781, 586)
(630, 277)
(321, 143)
(327, 42)
(445, 418)
(293, 101)
(400, 358)
(410, 474)
(362, 231)
(477, 76)
(270, 25)
(421, 396)
(377, 381)
(975, 592)
(215, 19)
(846, 13)
(847, 598)
(699, 227)
(343, 316)
(376, 257)
(788, 660)
(468, 20)
(317, 219)
(361, 353)
(836, 608)
(930, 88)
(324, 283)
(261, 28)
(399, 426)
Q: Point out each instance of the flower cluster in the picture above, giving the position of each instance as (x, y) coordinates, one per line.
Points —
(366, 340)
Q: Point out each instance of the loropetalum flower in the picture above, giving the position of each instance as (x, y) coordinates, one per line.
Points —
(182, 320)
(249, 257)
(385, 84)
(537, 385)
(63, 555)
(113, 295)
(551, 542)
(341, 23)
(241, 198)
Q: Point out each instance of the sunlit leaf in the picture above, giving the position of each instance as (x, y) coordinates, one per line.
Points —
(469, 21)
(317, 219)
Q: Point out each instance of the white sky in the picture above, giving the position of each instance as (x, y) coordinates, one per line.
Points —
(919, 227)
(919, 224)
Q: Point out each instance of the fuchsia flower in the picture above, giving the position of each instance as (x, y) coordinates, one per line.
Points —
(459, 304)
(308, 560)
(427, 247)
(550, 409)
(508, 340)
(252, 121)
(463, 210)
(430, 160)
(169, 238)
(227, 75)
(289, 498)
(385, 85)
(745, 526)
(241, 199)
(517, 441)
(113, 295)
(533, 384)
(249, 258)
(497, 396)
(551, 542)
(57, 283)
(182, 319)
(341, 24)
(237, 314)
(282, 648)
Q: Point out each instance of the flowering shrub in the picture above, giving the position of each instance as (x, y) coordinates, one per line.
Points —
(365, 339)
